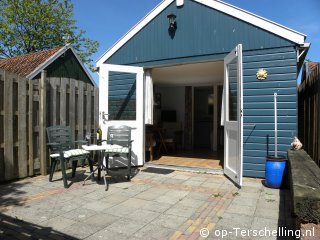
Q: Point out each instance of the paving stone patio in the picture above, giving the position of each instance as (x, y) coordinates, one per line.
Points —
(154, 205)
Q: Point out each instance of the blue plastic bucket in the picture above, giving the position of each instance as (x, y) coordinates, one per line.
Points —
(275, 171)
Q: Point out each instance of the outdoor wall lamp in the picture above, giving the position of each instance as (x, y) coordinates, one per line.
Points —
(172, 21)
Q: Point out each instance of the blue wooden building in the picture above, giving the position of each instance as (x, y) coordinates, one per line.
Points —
(208, 64)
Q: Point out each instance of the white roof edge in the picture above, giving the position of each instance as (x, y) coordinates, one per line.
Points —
(50, 60)
(229, 9)
(84, 67)
(256, 20)
(134, 30)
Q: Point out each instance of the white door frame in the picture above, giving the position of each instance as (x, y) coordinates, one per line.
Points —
(233, 130)
(216, 123)
(137, 133)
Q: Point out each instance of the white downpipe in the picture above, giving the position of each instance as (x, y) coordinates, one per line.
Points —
(275, 126)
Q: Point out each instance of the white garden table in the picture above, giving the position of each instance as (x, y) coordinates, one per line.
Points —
(102, 149)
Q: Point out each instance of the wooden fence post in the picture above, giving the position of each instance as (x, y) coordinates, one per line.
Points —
(80, 110)
(88, 108)
(30, 133)
(53, 101)
(2, 170)
(42, 123)
(72, 107)
(63, 101)
(22, 128)
(8, 126)
(96, 109)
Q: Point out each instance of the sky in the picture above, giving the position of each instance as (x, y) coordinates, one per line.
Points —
(108, 20)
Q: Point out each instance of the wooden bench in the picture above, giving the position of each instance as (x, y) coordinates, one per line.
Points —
(304, 180)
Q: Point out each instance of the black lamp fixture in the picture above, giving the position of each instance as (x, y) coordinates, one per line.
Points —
(172, 21)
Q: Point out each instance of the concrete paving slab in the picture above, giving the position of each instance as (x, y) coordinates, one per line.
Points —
(179, 210)
(101, 219)
(240, 209)
(58, 223)
(169, 221)
(177, 193)
(255, 195)
(217, 179)
(267, 213)
(156, 206)
(134, 203)
(143, 216)
(152, 193)
(252, 189)
(181, 177)
(235, 220)
(261, 223)
(107, 234)
(267, 204)
(98, 205)
(190, 202)
(97, 195)
(152, 231)
(191, 182)
(81, 230)
(116, 198)
(168, 199)
(243, 201)
(125, 226)
(120, 211)
(198, 195)
(211, 185)
(198, 178)
(79, 214)
(152, 206)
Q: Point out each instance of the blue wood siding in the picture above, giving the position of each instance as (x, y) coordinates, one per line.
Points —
(258, 104)
(203, 33)
(122, 96)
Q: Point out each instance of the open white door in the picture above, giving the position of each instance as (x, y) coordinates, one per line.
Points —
(121, 103)
(233, 122)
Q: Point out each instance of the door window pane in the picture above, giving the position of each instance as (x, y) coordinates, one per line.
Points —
(122, 96)
(233, 90)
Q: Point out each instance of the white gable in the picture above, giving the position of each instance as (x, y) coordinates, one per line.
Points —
(236, 12)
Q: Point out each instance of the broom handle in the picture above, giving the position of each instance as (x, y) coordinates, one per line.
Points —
(275, 126)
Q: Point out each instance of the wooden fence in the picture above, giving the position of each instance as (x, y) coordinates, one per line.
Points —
(309, 112)
(27, 107)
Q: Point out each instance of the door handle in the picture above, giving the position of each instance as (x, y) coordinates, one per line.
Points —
(104, 115)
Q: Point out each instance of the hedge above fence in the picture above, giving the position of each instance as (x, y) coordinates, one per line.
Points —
(304, 177)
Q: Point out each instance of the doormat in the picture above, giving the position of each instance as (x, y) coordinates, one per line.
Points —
(158, 170)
